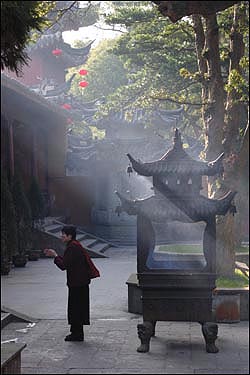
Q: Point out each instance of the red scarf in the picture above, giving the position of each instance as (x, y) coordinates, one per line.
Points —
(93, 271)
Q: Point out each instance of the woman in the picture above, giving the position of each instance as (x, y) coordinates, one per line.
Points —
(76, 263)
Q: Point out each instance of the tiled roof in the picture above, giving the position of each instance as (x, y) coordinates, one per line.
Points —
(13, 84)
(160, 209)
(177, 161)
(70, 56)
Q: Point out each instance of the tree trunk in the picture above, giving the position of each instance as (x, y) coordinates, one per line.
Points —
(235, 162)
(242, 178)
(235, 109)
(215, 110)
(219, 136)
(225, 246)
(235, 173)
(202, 64)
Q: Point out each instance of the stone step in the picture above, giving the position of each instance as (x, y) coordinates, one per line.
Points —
(95, 246)
(89, 242)
(81, 237)
(105, 247)
(54, 228)
(101, 247)
(126, 235)
(94, 253)
(94, 243)
(15, 330)
(9, 316)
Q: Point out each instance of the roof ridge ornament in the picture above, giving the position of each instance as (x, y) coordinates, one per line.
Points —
(177, 140)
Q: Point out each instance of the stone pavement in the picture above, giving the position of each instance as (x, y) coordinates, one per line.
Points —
(39, 291)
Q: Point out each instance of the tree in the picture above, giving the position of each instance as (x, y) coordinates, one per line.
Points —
(8, 221)
(221, 82)
(224, 114)
(105, 73)
(154, 51)
(18, 19)
(22, 22)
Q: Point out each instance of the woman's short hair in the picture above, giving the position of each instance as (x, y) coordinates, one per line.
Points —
(70, 230)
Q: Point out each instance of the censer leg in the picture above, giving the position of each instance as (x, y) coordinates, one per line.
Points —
(145, 331)
(153, 324)
(210, 332)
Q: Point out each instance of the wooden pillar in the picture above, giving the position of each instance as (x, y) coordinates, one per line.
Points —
(11, 148)
(34, 153)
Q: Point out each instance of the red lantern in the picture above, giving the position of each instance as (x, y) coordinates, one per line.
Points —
(83, 72)
(83, 84)
(57, 52)
(66, 106)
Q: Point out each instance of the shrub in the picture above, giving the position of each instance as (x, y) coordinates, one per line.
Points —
(8, 221)
(36, 201)
(23, 214)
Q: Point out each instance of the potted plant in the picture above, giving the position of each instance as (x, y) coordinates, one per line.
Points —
(23, 221)
(8, 225)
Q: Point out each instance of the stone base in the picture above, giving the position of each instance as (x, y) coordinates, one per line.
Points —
(241, 303)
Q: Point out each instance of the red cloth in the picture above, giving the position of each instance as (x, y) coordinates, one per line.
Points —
(93, 271)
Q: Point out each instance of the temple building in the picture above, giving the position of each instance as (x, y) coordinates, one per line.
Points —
(35, 121)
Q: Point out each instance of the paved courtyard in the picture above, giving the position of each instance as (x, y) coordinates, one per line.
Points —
(39, 291)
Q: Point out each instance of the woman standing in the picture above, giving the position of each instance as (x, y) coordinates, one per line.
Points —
(77, 264)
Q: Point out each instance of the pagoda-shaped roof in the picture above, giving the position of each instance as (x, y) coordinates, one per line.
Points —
(177, 161)
(70, 56)
(160, 209)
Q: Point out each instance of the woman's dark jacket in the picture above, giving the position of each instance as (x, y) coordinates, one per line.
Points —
(75, 264)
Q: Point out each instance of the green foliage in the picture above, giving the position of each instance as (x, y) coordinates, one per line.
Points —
(236, 83)
(161, 62)
(36, 201)
(243, 249)
(127, 14)
(185, 248)
(239, 280)
(22, 213)
(155, 52)
(105, 73)
(18, 19)
(178, 248)
(8, 221)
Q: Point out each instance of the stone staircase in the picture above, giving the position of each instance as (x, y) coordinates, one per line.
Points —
(126, 235)
(9, 316)
(96, 246)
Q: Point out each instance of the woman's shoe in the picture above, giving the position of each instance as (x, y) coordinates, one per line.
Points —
(74, 338)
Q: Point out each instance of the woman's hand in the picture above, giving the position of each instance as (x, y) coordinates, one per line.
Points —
(50, 253)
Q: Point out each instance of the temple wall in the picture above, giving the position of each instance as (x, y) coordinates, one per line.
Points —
(72, 197)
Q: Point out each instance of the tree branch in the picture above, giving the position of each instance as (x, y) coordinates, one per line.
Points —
(113, 29)
(177, 101)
